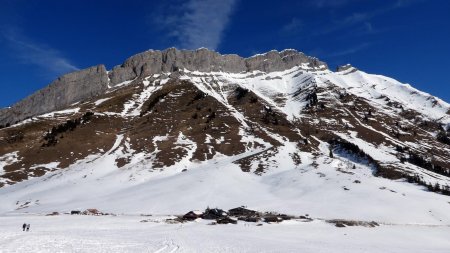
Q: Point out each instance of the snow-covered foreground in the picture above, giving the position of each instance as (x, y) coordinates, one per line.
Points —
(68, 233)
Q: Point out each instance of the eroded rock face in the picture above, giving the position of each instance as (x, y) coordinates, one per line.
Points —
(93, 81)
(65, 90)
(204, 60)
(278, 61)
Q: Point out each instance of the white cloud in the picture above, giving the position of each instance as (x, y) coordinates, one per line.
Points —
(198, 23)
(29, 52)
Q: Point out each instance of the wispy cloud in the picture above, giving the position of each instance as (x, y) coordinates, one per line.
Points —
(198, 23)
(364, 17)
(295, 25)
(329, 3)
(368, 28)
(349, 51)
(30, 52)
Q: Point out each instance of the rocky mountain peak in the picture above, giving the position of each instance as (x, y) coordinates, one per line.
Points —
(204, 60)
(84, 84)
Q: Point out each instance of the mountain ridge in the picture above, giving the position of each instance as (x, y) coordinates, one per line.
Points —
(145, 63)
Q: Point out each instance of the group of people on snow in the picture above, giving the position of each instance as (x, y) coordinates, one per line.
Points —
(26, 227)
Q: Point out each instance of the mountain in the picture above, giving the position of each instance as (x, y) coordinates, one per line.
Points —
(176, 130)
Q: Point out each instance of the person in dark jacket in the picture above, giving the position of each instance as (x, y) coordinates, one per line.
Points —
(28, 227)
(24, 226)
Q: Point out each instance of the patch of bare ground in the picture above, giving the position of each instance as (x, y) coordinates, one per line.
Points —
(180, 107)
(96, 136)
(260, 160)
(118, 98)
(326, 115)
(260, 113)
(351, 223)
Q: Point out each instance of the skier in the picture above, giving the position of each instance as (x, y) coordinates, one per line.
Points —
(24, 226)
(28, 227)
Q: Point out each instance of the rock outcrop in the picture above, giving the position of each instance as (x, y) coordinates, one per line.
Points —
(345, 68)
(204, 60)
(65, 90)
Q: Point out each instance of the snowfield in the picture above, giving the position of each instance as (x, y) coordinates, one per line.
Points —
(73, 233)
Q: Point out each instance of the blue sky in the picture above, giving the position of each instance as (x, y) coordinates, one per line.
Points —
(408, 40)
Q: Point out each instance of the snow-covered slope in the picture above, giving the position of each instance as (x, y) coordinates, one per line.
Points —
(332, 189)
(377, 89)
(383, 90)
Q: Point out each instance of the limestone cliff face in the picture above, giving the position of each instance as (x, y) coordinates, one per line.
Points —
(204, 60)
(94, 81)
(65, 90)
